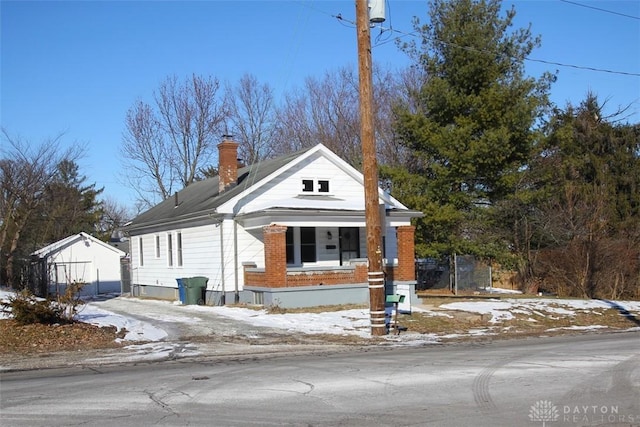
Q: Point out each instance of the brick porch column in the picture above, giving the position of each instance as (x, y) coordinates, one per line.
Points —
(275, 256)
(406, 269)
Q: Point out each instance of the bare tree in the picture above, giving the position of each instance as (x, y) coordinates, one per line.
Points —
(252, 118)
(114, 216)
(164, 147)
(326, 111)
(25, 171)
(392, 89)
(147, 155)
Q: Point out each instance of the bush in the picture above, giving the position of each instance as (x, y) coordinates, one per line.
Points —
(26, 309)
(70, 300)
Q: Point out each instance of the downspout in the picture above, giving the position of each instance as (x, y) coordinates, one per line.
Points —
(223, 297)
(235, 262)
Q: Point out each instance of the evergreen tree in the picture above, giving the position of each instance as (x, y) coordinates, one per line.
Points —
(69, 206)
(471, 126)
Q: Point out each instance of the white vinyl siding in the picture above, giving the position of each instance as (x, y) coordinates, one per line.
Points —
(288, 186)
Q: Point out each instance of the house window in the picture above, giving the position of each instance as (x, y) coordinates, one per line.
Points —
(290, 246)
(140, 252)
(258, 298)
(169, 250)
(179, 248)
(157, 246)
(323, 186)
(315, 186)
(307, 185)
(308, 244)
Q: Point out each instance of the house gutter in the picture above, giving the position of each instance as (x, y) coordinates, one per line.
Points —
(223, 297)
(235, 263)
(191, 221)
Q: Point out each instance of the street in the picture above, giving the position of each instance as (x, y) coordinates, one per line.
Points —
(560, 381)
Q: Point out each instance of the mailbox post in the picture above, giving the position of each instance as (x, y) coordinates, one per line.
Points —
(396, 299)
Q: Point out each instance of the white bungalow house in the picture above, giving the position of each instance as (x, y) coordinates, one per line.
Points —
(77, 258)
(288, 231)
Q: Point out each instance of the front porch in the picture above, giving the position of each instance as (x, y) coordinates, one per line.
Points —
(280, 283)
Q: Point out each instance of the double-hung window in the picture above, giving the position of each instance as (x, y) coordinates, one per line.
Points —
(140, 252)
(179, 248)
(169, 250)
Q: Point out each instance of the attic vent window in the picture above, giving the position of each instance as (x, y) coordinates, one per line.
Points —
(307, 185)
(323, 186)
(315, 186)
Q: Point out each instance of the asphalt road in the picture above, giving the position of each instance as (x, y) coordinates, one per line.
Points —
(560, 381)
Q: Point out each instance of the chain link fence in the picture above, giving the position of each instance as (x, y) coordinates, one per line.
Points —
(455, 273)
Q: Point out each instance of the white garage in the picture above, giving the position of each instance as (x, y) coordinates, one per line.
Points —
(79, 258)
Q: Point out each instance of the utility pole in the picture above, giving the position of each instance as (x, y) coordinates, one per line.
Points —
(370, 172)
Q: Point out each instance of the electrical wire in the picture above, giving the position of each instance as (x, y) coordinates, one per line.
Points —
(600, 9)
(559, 64)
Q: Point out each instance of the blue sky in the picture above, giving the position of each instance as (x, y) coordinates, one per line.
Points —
(77, 67)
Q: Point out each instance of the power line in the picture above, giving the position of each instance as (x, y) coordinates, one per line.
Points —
(601, 70)
(343, 20)
(559, 64)
(600, 9)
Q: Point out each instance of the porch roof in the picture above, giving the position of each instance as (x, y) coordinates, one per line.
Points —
(314, 217)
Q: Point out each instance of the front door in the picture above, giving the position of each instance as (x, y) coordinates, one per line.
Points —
(349, 244)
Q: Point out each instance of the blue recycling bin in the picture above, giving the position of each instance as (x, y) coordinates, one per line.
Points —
(181, 292)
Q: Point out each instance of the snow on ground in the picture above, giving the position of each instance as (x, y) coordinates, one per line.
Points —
(504, 309)
(354, 322)
(137, 330)
(339, 322)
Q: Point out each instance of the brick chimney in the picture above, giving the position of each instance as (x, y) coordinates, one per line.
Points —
(228, 167)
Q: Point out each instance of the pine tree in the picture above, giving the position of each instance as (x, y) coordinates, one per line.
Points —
(471, 126)
(69, 206)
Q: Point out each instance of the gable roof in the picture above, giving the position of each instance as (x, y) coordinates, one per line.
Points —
(197, 203)
(68, 241)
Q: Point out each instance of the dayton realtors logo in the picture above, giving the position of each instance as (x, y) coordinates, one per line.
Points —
(545, 411)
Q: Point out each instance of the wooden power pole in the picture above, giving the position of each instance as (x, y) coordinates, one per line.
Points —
(370, 172)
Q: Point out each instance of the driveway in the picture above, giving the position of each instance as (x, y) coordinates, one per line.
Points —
(181, 324)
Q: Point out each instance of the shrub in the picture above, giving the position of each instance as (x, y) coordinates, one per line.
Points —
(70, 300)
(26, 309)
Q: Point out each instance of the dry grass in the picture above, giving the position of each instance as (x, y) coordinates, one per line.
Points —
(276, 309)
(40, 338)
(539, 322)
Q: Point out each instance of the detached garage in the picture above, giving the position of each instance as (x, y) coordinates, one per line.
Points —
(78, 258)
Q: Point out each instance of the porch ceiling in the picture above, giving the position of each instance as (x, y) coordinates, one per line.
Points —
(302, 218)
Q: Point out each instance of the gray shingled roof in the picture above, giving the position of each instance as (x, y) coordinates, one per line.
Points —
(198, 201)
